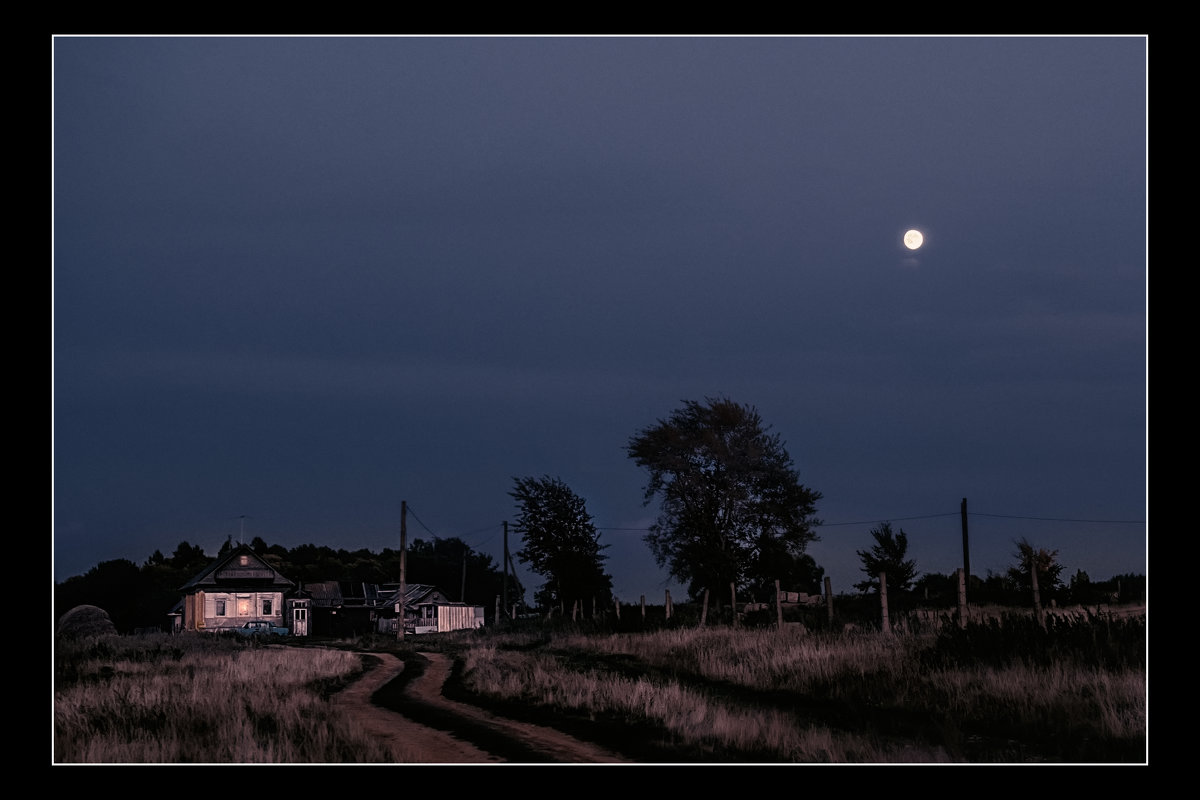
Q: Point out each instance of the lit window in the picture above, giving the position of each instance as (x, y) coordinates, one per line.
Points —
(244, 561)
(243, 606)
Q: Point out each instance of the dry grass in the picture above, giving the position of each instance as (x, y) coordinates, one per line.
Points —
(719, 694)
(788, 695)
(163, 700)
(690, 715)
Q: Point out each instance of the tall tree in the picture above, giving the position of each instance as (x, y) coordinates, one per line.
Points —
(887, 555)
(733, 509)
(560, 542)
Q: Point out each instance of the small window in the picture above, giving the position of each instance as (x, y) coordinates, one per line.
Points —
(266, 607)
(244, 560)
(220, 608)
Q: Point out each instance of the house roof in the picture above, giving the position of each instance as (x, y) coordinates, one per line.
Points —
(324, 590)
(324, 594)
(240, 566)
(374, 595)
(415, 593)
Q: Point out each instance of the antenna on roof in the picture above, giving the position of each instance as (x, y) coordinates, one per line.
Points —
(242, 530)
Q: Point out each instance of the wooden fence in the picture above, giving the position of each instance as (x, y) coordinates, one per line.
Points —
(785, 599)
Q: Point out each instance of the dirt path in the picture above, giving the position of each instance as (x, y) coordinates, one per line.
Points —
(480, 736)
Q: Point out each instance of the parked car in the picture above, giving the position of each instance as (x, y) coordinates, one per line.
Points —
(260, 627)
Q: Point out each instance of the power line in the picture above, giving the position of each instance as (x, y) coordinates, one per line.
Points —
(891, 519)
(480, 529)
(1065, 519)
(418, 519)
(833, 524)
(948, 514)
(872, 521)
(487, 527)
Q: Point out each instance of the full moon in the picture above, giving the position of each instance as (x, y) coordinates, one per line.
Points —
(913, 239)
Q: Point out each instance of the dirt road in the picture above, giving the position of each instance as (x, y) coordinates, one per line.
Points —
(419, 725)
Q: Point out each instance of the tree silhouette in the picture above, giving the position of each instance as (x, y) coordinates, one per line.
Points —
(190, 558)
(732, 506)
(887, 555)
(1049, 571)
(560, 543)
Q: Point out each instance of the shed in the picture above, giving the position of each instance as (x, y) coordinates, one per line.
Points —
(435, 617)
(427, 610)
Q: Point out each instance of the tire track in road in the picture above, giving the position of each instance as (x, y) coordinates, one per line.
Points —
(408, 741)
(420, 725)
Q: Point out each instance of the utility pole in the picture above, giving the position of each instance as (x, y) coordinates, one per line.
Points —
(966, 550)
(504, 585)
(403, 579)
(516, 585)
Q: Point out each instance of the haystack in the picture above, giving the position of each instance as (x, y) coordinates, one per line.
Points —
(84, 621)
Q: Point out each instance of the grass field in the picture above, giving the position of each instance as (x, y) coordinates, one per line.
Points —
(201, 699)
(998, 692)
(1002, 690)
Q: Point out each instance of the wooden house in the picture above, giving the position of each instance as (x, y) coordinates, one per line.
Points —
(236, 588)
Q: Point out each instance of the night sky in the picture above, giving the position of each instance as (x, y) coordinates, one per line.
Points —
(297, 281)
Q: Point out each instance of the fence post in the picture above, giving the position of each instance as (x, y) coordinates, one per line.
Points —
(733, 602)
(668, 604)
(704, 609)
(497, 609)
(643, 609)
(1037, 598)
(887, 627)
(617, 606)
(962, 599)
(829, 598)
(574, 610)
(778, 606)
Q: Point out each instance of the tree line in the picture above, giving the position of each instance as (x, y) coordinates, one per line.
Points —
(1012, 587)
(140, 596)
(732, 512)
